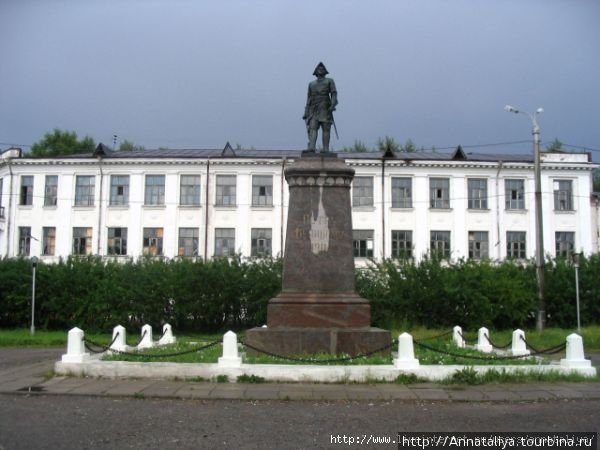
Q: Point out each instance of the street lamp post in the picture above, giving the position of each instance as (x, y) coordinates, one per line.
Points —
(34, 262)
(576, 265)
(539, 222)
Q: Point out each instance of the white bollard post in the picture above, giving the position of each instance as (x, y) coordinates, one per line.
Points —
(406, 353)
(457, 336)
(518, 346)
(75, 347)
(146, 341)
(575, 358)
(483, 344)
(120, 341)
(167, 337)
(230, 356)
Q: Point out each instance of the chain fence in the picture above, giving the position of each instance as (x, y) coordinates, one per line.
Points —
(100, 348)
(89, 343)
(549, 351)
(314, 360)
(500, 347)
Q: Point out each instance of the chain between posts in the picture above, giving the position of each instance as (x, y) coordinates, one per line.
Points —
(86, 341)
(464, 339)
(104, 348)
(438, 336)
(312, 360)
(549, 351)
(167, 355)
(497, 346)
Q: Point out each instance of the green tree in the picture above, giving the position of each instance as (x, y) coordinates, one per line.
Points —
(409, 146)
(596, 177)
(554, 146)
(61, 142)
(358, 147)
(388, 143)
(128, 146)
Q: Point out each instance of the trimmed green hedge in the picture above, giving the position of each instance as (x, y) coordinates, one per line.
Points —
(434, 293)
(95, 294)
(207, 296)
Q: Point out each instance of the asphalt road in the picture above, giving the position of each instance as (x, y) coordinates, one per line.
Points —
(77, 422)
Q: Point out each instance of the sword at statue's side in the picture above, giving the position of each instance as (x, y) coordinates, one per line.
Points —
(334, 125)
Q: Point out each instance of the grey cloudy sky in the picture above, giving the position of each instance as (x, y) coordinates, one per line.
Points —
(196, 74)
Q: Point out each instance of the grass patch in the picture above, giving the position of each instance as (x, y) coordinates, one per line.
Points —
(255, 379)
(447, 353)
(326, 359)
(470, 376)
(409, 378)
(181, 352)
(21, 337)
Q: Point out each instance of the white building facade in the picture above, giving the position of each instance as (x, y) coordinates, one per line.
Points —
(206, 203)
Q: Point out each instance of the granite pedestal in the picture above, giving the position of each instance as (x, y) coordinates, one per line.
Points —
(318, 309)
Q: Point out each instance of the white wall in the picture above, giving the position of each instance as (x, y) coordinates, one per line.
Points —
(420, 219)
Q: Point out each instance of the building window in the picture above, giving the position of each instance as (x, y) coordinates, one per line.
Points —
(478, 245)
(563, 195)
(189, 194)
(440, 244)
(26, 194)
(261, 242)
(362, 191)
(48, 241)
(477, 193)
(117, 241)
(401, 193)
(155, 190)
(82, 241)
(1, 207)
(226, 187)
(439, 193)
(51, 190)
(119, 190)
(363, 243)
(402, 244)
(516, 247)
(565, 244)
(514, 194)
(84, 190)
(188, 242)
(24, 241)
(225, 241)
(262, 190)
(153, 241)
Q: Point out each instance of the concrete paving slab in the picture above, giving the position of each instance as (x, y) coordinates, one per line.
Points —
(228, 391)
(364, 393)
(393, 392)
(194, 392)
(501, 396)
(98, 387)
(431, 394)
(127, 387)
(470, 395)
(285, 394)
(534, 395)
(67, 385)
(162, 389)
(262, 392)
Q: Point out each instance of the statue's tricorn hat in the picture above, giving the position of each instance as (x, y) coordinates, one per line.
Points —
(320, 65)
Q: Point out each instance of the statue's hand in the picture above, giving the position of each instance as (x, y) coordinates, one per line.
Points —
(304, 117)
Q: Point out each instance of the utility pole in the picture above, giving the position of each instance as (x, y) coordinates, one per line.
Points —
(539, 218)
